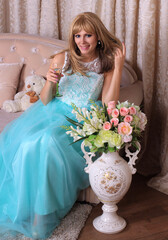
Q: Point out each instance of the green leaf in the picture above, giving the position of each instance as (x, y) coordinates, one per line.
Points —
(106, 113)
(91, 137)
(101, 149)
(111, 149)
(82, 138)
(74, 122)
(106, 150)
(135, 145)
(94, 149)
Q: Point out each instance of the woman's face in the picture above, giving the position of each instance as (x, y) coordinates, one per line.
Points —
(86, 42)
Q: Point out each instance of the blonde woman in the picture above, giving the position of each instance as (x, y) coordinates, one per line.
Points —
(41, 174)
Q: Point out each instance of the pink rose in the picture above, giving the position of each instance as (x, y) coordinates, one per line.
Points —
(124, 111)
(114, 121)
(111, 104)
(107, 126)
(109, 111)
(132, 110)
(124, 128)
(115, 113)
(128, 118)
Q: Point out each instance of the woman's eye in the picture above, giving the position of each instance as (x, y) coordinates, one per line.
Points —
(88, 35)
(77, 35)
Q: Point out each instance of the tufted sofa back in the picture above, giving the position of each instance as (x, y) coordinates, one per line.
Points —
(33, 51)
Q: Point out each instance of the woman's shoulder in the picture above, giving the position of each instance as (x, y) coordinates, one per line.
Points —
(59, 58)
(62, 59)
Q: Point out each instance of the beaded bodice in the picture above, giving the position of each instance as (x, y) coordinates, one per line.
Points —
(81, 89)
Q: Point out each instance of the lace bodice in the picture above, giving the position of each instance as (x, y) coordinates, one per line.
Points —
(93, 66)
(81, 89)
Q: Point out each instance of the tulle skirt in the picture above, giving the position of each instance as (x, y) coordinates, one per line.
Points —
(41, 173)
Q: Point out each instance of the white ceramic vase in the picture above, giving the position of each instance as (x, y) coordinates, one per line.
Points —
(110, 178)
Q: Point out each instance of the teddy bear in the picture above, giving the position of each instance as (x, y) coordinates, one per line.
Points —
(24, 99)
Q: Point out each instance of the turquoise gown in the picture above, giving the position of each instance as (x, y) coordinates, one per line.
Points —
(41, 174)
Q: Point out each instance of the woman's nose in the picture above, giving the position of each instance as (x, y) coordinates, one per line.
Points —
(83, 39)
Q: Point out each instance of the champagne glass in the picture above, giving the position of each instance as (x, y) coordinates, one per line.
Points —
(58, 70)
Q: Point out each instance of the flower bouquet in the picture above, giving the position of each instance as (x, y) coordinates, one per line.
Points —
(108, 128)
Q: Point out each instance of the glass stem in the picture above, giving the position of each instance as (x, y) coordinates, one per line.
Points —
(57, 88)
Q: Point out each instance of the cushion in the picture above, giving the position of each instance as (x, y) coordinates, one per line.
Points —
(9, 79)
(128, 76)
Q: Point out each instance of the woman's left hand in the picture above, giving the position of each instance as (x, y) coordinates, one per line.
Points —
(120, 58)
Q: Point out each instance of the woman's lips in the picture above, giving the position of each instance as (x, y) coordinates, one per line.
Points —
(84, 47)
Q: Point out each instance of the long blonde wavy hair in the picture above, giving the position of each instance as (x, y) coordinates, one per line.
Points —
(108, 43)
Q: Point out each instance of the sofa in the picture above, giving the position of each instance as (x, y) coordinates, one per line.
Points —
(23, 55)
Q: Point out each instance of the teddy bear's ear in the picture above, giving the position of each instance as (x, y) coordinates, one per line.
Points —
(27, 78)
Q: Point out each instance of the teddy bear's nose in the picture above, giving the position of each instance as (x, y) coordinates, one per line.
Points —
(28, 86)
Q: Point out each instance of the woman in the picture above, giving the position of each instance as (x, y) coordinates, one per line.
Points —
(41, 174)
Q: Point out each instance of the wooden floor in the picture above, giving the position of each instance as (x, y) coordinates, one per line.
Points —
(145, 211)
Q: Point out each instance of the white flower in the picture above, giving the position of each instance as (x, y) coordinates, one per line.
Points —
(123, 104)
(96, 123)
(79, 117)
(73, 134)
(89, 129)
(143, 120)
(75, 138)
(84, 111)
(80, 132)
(127, 138)
(93, 107)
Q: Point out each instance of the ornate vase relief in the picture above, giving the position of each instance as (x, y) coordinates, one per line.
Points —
(110, 177)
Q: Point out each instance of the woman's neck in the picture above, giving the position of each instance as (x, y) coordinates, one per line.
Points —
(90, 57)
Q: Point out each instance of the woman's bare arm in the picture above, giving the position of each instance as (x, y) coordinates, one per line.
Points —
(111, 87)
(52, 78)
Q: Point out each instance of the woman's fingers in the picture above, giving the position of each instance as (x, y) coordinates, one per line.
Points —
(124, 49)
(120, 52)
(120, 57)
(52, 76)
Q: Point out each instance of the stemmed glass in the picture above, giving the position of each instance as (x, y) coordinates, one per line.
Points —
(58, 70)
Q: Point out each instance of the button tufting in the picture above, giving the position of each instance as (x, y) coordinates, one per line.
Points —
(45, 60)
(32, 72)
(13, 48)
(56, 52)
(22, 60)
(35, 50)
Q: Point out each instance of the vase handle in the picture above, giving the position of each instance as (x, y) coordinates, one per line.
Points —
(88, 156)
(132, 157)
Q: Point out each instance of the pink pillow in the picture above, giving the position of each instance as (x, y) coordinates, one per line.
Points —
(9, 79)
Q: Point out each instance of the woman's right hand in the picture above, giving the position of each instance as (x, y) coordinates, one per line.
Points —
(53, 76)
(46, 94)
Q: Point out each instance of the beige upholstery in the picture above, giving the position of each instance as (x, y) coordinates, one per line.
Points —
(34, 53)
